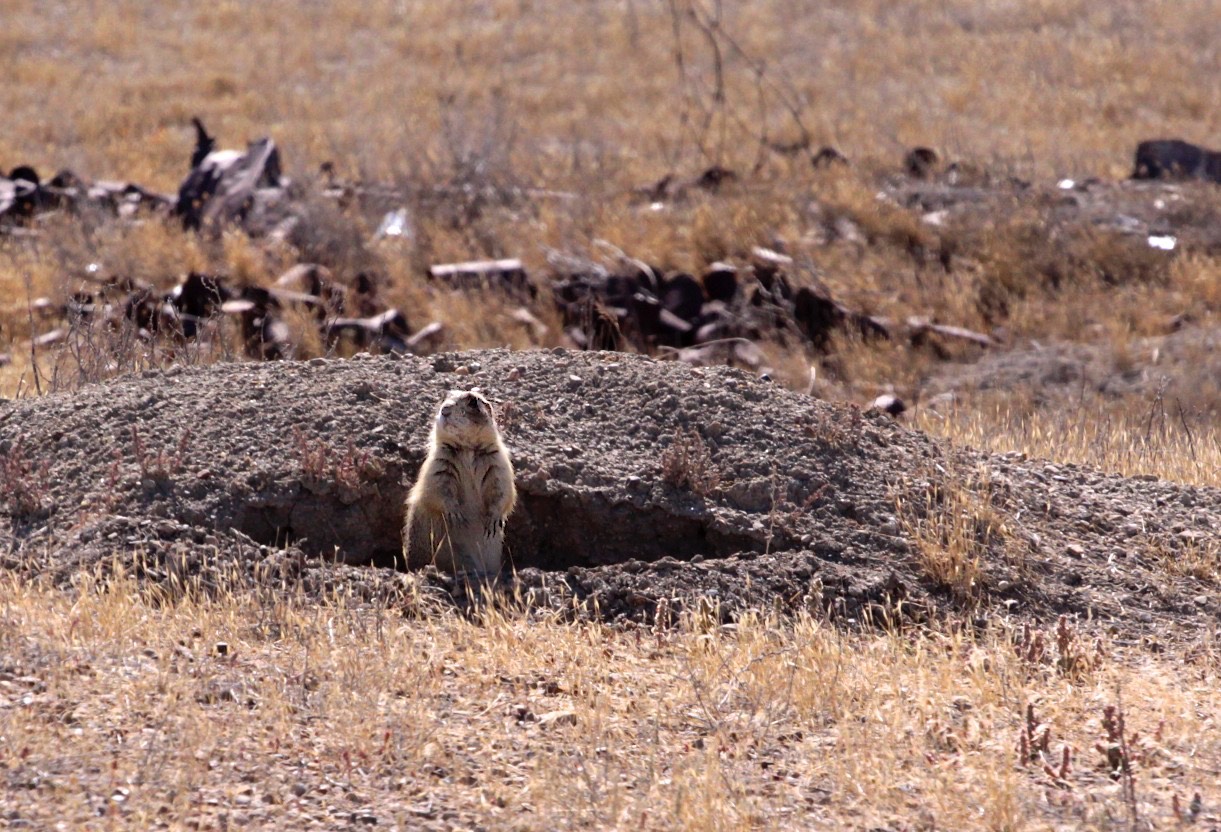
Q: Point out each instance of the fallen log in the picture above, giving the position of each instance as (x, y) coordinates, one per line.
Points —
(387, 331)
(918, 328)
(427, 339)
(507, 274)
(222, 184)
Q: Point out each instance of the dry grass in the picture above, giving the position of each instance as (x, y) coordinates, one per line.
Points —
(955, 532)
(1114, 437)
(259, 708)
(118, 709)
(687, 464)
(401, 87)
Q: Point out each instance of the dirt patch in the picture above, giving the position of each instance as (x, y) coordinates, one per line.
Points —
(278, 470)
(1182, 366)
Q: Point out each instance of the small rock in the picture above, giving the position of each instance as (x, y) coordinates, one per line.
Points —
(561, 717)
(888, 404)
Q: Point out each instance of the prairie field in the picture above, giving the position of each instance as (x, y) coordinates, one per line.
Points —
(273, 712)
(252, 704)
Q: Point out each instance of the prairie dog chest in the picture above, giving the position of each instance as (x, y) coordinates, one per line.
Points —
(472, 469)
(466, 461)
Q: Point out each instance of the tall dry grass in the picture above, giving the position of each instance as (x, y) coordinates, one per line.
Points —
(595, 100)
(1161, 441)
(1052, 88)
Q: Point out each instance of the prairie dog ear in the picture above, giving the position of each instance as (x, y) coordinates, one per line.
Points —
(478, 391)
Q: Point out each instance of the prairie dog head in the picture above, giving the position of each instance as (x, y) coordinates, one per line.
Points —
(465, 417)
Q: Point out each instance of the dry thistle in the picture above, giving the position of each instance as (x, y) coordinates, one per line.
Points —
(1059, 777)
(1119, 755)
(1072, 659)
(1035, 739)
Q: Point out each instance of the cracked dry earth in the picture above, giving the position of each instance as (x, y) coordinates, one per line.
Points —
(646, 487)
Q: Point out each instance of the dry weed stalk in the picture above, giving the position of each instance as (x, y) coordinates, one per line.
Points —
(1034, 745)
(835, 431)
(161, 466)
(24, 488)
(687, 463)
(322, 466)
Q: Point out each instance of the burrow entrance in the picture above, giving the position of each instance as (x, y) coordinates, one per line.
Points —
(547, 531)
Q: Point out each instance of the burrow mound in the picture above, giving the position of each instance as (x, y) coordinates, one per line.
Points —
(644, 486)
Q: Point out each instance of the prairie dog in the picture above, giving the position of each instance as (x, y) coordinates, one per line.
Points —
(457, 510)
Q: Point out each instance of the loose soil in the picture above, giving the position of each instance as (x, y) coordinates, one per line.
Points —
(295, 473)
(1182, 366)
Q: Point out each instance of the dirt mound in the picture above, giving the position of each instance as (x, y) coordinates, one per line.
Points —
(644, 487)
